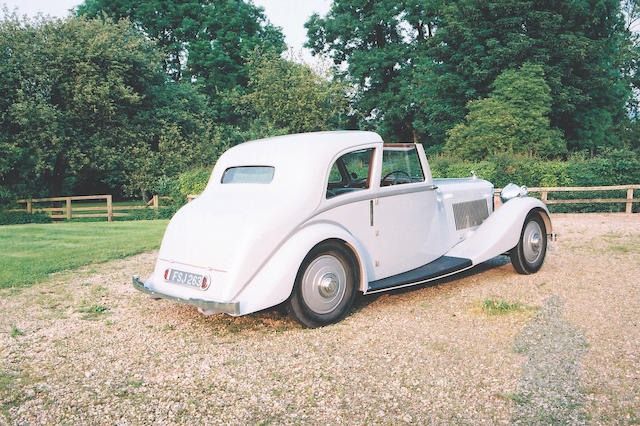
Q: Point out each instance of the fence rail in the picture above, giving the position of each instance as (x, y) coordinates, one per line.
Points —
(69, 211)
(544, 195)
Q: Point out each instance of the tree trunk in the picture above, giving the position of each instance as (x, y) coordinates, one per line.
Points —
(145, 195)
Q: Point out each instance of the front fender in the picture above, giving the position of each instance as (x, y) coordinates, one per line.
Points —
(501, 231)
(273, 282)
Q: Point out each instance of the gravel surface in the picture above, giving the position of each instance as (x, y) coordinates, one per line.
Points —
(84, 347)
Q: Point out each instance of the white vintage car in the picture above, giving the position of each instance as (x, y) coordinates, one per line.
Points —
(312, 219)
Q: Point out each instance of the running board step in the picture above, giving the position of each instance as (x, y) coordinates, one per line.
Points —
(443, 266)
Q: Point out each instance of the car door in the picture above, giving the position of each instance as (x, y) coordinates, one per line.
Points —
(406, 226)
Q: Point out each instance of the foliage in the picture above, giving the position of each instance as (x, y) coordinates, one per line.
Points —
(617, 167)
(71, 89)
(180, 134)
(501, 307)
(379, 42)
(86, 105)
(16, 218)
(580, 45)
(76, 244)
(290, 97)
(204, 41)
(513, 119)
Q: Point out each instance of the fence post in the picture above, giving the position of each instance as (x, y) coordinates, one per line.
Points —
(544, 196)
(109, 208)
(155, 203)
(629, 203)
(29, 205)
(68, 200)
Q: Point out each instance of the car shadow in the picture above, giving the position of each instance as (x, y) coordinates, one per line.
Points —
(276, 318)
(364, 300)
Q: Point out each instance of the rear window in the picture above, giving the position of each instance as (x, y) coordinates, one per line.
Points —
(248, 174)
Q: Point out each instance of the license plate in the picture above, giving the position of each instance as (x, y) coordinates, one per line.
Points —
(189, 279)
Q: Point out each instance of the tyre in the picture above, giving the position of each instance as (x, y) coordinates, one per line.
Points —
(325, 285)
(527, 257)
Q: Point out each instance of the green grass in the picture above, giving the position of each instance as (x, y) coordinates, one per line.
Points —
(15, 332)
(501, 307)
(93, 312)
(29, 253)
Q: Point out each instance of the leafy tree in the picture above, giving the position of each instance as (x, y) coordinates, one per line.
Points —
(580, 45)
(379, 42)
(71, 88)
(204, 40)
(179, 134)
(289, 97)
(513, 119)
(86, 106)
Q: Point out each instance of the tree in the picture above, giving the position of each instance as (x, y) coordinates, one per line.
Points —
(204, 41)
(514, 118)
(379, 42)
(579, 44)
(289, 97)
(86, 106)
(71, 88)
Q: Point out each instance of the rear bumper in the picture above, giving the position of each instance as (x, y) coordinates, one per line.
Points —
(208, 306)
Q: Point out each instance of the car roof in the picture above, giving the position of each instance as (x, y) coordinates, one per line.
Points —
(301, 161)
(315, 145)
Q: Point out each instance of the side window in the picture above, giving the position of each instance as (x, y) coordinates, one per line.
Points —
(400, 165)
(350, 173)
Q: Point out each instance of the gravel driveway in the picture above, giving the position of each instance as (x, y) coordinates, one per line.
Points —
(84, 347)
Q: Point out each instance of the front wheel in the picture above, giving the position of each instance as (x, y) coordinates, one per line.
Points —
(325, 286)
(527, 257)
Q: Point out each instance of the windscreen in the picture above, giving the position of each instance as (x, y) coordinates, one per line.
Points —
(248, 174)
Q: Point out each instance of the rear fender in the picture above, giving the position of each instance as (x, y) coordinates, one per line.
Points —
(273, 283)
(501, 231)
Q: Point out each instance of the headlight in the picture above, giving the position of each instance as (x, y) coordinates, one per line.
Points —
(512, 191)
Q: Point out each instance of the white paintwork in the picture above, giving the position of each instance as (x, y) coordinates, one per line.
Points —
(250, 239)
(500, 232)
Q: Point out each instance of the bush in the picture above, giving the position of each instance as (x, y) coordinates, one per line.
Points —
(164, 212)
(617, 167)
(16, 218)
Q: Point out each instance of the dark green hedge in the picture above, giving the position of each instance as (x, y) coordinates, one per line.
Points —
(618, 167)
(16, 218)
(613, 168)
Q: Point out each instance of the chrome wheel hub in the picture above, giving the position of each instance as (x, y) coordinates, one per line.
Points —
(324, 284)
(328, 285)
(532, 242)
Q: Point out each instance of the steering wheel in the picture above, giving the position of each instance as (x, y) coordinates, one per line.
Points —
(395, 179)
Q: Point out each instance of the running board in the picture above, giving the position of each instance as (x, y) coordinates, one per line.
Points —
(441, 267)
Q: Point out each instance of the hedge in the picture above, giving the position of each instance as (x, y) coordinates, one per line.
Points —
(618, 167)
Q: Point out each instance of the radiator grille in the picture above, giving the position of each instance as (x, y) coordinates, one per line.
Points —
(470, 213)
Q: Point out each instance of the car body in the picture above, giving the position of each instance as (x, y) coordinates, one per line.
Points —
(314, 218)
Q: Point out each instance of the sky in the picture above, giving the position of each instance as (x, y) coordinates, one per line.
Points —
(290, 15)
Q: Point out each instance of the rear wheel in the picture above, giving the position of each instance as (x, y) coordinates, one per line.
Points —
(527, 257)
(325, 286)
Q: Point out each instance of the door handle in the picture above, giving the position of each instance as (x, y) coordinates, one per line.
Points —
(371, 212)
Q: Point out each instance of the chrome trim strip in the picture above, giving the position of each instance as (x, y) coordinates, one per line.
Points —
(231, 308)
(387, 191)
(419, 282)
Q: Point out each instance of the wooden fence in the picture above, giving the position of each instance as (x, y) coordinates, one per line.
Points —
(544, 195)
(69, 211)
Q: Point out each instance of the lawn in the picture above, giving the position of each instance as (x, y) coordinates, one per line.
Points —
(29, 253)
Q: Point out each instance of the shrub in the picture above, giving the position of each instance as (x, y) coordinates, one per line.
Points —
(16, 218)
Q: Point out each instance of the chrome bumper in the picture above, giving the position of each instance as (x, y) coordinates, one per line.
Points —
(210, 306)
